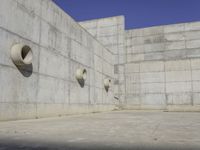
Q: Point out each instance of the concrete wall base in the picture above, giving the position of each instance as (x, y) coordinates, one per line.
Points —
(170, 108)
(48, 110)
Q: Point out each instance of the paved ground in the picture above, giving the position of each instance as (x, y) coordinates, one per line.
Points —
(114, 130)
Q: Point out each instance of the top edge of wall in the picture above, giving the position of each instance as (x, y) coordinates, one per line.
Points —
(105, 18)
(165, 25)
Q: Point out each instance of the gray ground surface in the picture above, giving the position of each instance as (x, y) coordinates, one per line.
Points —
(112, 130)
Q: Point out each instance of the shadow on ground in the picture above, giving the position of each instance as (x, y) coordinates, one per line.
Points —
(23, 145)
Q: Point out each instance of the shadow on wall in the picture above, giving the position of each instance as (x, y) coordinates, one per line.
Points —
(25, 70)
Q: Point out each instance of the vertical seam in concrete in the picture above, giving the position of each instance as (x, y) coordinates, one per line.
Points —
(118, 65)
(140, 87)
(103, 76)
(124, 61)
(38, 67)
(191, 73)
(165, 82)
(69, 69)
(165, 86)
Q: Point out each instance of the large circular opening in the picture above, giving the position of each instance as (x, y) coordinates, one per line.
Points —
(26, 54)
(21, 54)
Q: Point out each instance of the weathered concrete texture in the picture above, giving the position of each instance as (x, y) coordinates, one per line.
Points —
(155, 67)
(115, 130)
(60, 46)
(110, 32)
(162, 67)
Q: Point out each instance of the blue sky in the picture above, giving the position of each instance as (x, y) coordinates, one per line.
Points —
(138, 13)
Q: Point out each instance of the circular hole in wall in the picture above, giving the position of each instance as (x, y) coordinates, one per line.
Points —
(22, 56)
(107, 84)
(81, 75)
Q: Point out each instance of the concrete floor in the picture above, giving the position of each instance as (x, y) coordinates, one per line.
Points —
(112, 130)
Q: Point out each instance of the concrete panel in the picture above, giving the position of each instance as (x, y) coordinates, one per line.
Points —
(135, 49)
(98, 80)
(98, 96)
(192, 35)
(52, 38)
(51, 90)
(174, 28)
(154, 47)
(15, 111)
(196, 75)
(122, 59)
(193, 53)
(177, 54)
(24, 92)
(154, 39)
(132, 67)
(175, 37)
(133, 78)
(134, 32)
(175, 45)
(177, 65)
(79, 95)
(80, 53)
(98, 63)
(196, 86)
(31, 22)
(175, 76)
(177, 87)
(152, 66)
(108, 69)
(193, 44)
(108, 56)
(135, 57)
(153, 56)
(133, 99)
(51, 61)
(121, 69)
(137, 41)
(153, 99)
(196, 100)
(108, 97)
(153, 30)
(152, 88)
(195, 64)
(152, 77)
(133, 88)
(179, 99)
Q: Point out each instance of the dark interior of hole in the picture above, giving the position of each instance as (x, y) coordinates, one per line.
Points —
(25, 51)
(84, 71)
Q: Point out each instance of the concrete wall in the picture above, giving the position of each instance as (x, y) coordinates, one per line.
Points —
(110, 32)
(162, 70)
(60, 46)
(151, 68)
